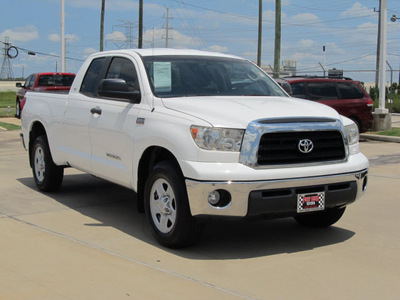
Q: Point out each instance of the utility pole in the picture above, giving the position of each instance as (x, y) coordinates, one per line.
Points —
(140, 42)
(167, 29)
(382, 118)
(259, 33)
(277, 52)
(102, 25)
(382, 58)
(378, 46)
(62, 35)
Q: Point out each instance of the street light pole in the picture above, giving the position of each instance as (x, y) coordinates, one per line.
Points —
(382, 118)
(62, 35)
(382, 58)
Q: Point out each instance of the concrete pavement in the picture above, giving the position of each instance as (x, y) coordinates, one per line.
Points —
(86, 241)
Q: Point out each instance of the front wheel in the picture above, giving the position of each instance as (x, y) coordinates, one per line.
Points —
(48, 176)
(321, 219)
(167, 207)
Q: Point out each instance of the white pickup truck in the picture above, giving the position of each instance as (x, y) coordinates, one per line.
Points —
(196, 135)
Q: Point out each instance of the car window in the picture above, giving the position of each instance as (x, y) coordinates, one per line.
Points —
(92, 77)
(321, 91)
(349, 90)
(190, 76)
(123, 68)
(298, 89)
(30, 81)
(56, 80)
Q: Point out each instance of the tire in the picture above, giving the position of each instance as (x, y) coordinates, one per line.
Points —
(321, 219)
(48, 177)
(18, 110)
(167, 207)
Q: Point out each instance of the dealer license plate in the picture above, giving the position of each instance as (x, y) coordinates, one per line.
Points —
(310, 202)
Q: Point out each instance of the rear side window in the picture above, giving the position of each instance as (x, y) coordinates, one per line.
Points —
(322, 90)
(92, 78)
(349, 90)
(298, 90)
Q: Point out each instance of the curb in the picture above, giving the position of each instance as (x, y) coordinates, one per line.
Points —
(382, 138)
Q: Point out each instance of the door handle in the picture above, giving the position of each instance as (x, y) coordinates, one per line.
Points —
(96, 110)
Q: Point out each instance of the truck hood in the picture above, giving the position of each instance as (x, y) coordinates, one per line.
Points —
(237, 112)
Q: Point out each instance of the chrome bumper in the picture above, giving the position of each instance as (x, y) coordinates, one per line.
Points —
(353, 186)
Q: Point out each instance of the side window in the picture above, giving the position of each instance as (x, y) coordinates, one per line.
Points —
(298, 90)
(92, 78)
(30, 81)
(350, 91)
(26, 84)
(123, 68)
(322, 91)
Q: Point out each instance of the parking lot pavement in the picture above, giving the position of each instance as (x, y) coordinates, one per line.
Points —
(86, 241)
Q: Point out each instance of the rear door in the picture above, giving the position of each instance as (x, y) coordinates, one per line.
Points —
(78, 116)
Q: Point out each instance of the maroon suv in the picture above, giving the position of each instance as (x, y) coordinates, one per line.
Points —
(347, 96)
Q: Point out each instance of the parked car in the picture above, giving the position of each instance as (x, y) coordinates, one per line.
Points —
(40, 82)
(196, 135)
(346, 96)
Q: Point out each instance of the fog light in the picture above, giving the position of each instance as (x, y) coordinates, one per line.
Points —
(219, 198)
(214, 197)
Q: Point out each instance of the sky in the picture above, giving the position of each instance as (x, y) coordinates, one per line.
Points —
(347, 29)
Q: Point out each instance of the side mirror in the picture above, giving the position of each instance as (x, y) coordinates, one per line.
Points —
(117, 88)
(18, 84)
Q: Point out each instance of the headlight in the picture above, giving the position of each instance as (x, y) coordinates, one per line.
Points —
(352, 134)
(219, 139)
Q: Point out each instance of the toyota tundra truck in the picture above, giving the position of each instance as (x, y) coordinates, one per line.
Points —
(196, 135)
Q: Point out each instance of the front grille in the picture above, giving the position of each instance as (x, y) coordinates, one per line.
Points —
(278, 148)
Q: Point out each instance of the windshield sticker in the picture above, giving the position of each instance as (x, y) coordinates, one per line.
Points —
(162, 76)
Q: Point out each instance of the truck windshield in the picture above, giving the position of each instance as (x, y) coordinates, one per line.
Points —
(189, 76)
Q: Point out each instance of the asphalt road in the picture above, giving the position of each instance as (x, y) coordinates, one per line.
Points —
(87, 242)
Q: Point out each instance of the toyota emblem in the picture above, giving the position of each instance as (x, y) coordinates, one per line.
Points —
(305, 146)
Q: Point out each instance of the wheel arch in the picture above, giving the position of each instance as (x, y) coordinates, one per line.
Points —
(36, 131)
(150, 157)
(358, 122)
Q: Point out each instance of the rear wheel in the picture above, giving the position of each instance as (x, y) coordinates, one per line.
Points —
(48, 176)
(321, 219)
(167, 207)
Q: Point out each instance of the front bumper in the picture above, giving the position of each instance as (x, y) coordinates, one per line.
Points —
(274, 197)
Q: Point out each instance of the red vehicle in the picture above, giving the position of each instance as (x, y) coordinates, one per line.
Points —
(347, 96)
(39, 82)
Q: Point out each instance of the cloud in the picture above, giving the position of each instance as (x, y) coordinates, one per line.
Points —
(21, 34)
(156, 38)
(217, 48)
(116, 36)
(89, 51)
(358, 10)
(305, 18)
(55, 37)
